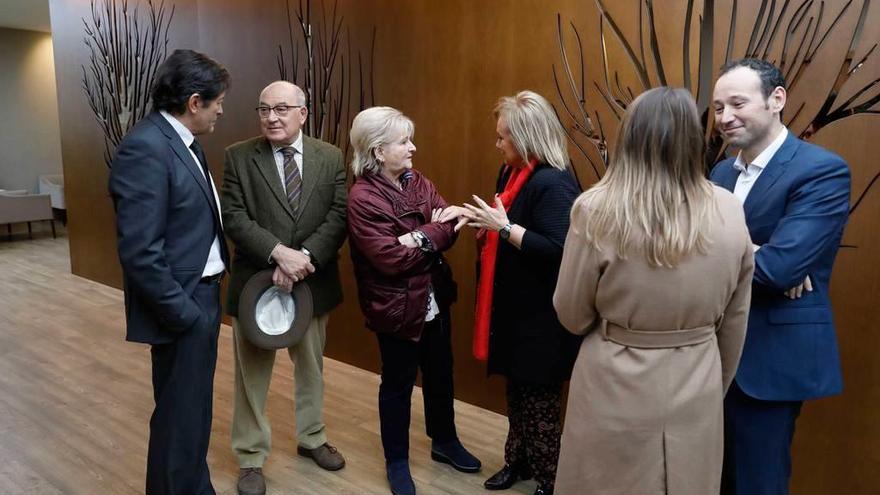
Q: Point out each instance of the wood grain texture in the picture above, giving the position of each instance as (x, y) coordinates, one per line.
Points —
(445, 64)
(75, 400)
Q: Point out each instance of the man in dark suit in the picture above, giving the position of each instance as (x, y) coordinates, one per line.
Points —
(796, 200)
(173, 255)
(284, 207)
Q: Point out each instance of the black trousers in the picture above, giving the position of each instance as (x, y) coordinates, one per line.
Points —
(180, 427)
(533, 413)
(401, 360)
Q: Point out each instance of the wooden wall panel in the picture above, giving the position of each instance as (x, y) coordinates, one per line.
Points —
(837, 444)
(91, 222)
(445, 64)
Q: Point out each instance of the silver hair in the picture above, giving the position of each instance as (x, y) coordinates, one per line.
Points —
(372, 128)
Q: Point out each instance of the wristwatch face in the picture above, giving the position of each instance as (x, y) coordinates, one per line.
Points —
(504, 233)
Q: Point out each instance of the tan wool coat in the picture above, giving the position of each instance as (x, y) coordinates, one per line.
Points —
(645, 406)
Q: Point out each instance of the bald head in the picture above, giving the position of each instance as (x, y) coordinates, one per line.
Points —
(281, 126)
(295, 95)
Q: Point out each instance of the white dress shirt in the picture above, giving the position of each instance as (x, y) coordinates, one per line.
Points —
(214, 263)
(749, 173)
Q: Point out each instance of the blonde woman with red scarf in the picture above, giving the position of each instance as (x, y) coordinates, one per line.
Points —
(521, 235)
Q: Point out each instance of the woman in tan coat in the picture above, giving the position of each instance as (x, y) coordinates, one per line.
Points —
(656, 271)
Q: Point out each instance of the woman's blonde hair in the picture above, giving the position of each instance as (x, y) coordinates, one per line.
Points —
(655, 174)
(534, 128)
(372, 128)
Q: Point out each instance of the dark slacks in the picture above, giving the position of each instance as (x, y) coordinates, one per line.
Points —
(401, 360)
(180, 427)
(535, 428)
(757, 444)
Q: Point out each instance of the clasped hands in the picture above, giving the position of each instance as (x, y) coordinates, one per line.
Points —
(292, 266)
(481, 216)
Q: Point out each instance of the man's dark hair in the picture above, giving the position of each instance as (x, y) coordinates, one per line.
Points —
(770, 75)
(184, 73)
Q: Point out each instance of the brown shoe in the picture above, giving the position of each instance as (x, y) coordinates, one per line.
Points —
(251, 481)
(325, 456)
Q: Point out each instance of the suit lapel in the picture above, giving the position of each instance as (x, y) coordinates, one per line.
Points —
(184, 155)
(771, 173)
(311, 164)
(727, 176)
(265, 163)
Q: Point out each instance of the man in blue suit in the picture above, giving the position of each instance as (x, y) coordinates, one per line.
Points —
(173, 255)
(796, 200)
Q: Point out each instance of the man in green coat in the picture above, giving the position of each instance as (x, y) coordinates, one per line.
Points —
(284, 206)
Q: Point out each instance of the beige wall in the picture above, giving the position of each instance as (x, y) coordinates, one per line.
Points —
(29, 130)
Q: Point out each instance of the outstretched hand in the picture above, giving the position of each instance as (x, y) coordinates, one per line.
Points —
(486, 217)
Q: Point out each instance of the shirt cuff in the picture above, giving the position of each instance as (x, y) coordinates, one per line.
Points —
(270, 260)
(308, 253)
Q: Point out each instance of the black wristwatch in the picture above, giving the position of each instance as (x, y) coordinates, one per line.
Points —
(422, 241)
(308, 253)
(504, 233)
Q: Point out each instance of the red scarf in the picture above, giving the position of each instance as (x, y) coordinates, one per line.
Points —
(488, 243)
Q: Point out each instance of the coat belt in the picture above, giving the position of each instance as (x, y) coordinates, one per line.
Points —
(656, 339)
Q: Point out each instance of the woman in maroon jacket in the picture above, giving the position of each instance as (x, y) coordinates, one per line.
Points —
(398, 226)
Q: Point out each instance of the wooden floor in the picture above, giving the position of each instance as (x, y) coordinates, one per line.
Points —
(75, 400)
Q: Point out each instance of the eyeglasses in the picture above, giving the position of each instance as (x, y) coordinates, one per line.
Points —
(280, 110)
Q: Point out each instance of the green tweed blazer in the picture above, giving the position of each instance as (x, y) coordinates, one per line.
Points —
(257, 216)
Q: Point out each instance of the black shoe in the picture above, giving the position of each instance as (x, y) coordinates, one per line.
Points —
(399, 478)
(543, 490)
(454, 454)
(504, 479)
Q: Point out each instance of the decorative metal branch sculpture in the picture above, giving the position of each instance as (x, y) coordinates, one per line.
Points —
(125, 52)
(320, 61)
(803, 35)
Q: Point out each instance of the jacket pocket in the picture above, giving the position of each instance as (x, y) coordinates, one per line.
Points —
(184, 269)
(384, 307)
(794, 316)
(187, 277)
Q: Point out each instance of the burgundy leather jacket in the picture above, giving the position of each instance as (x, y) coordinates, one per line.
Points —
(394, 280)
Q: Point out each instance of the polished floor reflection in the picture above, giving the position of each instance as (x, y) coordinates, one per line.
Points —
(75, 400)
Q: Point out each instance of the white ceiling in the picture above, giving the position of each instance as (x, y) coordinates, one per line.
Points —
(25, 14)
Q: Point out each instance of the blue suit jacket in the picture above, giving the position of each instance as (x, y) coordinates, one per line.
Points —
(165, 226)
(796, 211)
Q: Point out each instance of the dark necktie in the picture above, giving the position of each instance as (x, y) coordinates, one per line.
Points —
(292, 177)
(203, 161)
